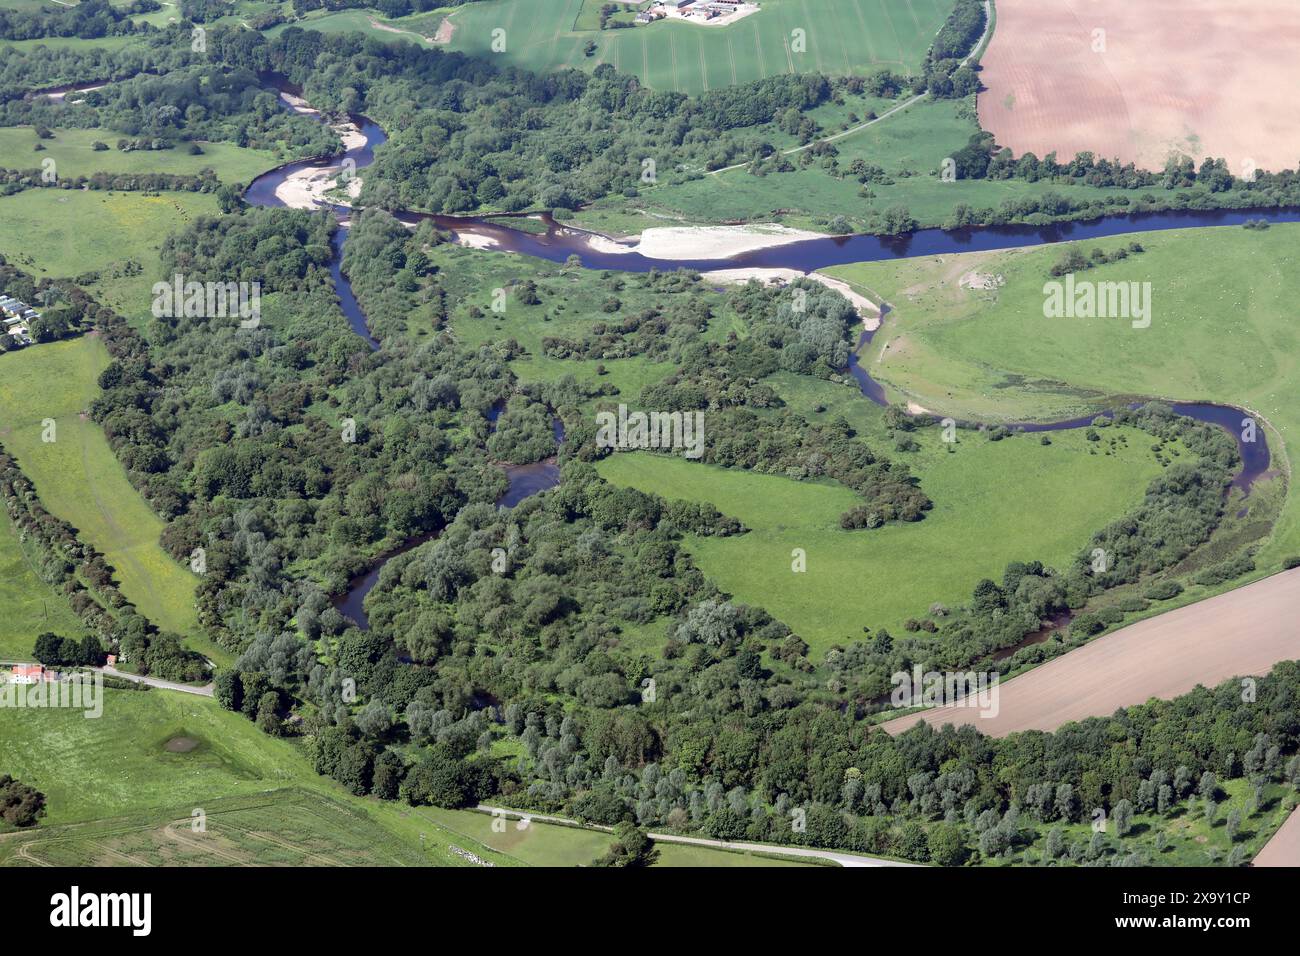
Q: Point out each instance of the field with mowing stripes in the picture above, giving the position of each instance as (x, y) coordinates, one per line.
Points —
(842, 37)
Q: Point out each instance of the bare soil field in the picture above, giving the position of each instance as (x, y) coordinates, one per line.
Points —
(1243, 632)
(1200, 77)
(1283, 849)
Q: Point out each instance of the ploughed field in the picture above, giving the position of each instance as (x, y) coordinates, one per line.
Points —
(1243, 632)
(1137, 81)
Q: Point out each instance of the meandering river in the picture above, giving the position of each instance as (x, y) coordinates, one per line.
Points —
(559, 243)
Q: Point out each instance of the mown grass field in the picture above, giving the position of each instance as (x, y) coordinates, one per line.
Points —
(842, 37)
(283, 828)
(264, 802)
(546, 844)
(995, 502)
(79, 479)
(29, 605)
(60, 233)
(1222, 329)
(73, 156)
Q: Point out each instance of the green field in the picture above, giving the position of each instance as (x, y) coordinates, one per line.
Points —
(30, 605)
(994, 502)
(546, 844)
(910, 146)
(265, 804)
(79, 479)
(60, 233)
(571, 305)
(842, 37)
(1222, 330)
(72, 153)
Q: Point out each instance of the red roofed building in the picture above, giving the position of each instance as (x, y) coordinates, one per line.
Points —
(27, 673)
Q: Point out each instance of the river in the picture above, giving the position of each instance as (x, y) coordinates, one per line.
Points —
(559, 242)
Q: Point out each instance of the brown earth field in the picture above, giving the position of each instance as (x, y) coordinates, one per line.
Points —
(1240, 633)
(1283, 849)
(1199, 77)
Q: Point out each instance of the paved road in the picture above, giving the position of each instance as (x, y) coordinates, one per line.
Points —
(843, 859)
(204, 691)
(1243, 632)
(1284, 848)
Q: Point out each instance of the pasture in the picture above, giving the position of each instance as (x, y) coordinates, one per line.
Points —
(909, 146)
(118, 796)
(79, 479)
(61, 233)
(74, 155)
(282, 828)
(1222, 329)
(995, 502)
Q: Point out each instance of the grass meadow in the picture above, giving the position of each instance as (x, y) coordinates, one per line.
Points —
(546, 844)
(79, 479)
(571, 303)
(67, 233)
(72, 152)
(263, 801)
(995, 502)
(1222, 329)
(910, 146)
(30, 605)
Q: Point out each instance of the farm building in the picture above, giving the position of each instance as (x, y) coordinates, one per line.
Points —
(27, 674)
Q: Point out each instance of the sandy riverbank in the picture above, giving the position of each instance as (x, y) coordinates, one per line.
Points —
(711, 242)
(306, 188)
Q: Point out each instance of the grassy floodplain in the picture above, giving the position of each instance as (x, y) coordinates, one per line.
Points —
(59, 233)
(910, 145)
(842, 37)
(1222, 330)
(72, 152)
(571, 302)
(994, 502)
(79, 479)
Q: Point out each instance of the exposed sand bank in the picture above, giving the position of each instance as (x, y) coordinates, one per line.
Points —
(306, 188)
(715, 242)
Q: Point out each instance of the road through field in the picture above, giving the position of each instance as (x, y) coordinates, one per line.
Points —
(1243, 632)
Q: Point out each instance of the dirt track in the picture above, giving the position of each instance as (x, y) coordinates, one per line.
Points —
(1201, 77)
(1243, 632)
